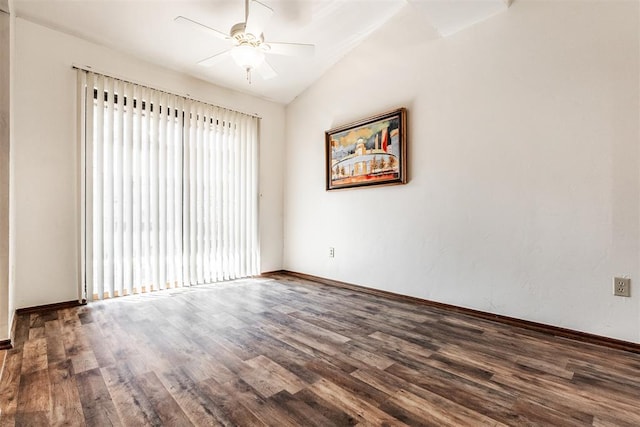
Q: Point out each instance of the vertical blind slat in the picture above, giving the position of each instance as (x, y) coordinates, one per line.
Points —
(136, 193)
(226, 191)
(192, 194)
(145, 198)
(206, 194)
(243, 198)
(118, 170)
(199, 232)
(176, 193)
(127, 193)
(169, 195)
(217, 171)
(98, 138)
(186, 246)
(162, 193)
(255, 247)
(107, 215)
(154, 211)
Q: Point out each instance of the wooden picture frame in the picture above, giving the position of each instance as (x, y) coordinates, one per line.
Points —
(371, 151)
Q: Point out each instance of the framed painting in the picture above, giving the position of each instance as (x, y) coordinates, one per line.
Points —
(372, 151)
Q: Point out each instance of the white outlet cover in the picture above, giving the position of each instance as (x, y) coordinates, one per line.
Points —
(622, 286)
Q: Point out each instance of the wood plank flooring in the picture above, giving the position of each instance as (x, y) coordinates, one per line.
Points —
(282, 351)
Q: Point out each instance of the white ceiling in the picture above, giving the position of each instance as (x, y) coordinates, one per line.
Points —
(146, 29)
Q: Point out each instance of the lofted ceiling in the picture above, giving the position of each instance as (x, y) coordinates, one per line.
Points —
(146, 30)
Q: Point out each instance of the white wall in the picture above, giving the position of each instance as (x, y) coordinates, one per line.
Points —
(45, 161)
(523, 198)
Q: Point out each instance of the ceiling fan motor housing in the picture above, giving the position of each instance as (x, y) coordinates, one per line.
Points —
(241, 38)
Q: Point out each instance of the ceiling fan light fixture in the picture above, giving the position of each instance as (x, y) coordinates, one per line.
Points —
(247, 57)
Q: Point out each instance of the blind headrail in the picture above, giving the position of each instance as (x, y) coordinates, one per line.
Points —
(89, 69)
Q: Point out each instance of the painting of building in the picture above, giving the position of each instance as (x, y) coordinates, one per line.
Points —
(366, 154)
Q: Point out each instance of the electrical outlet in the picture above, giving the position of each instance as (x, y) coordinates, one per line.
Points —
(622, 286)
(332, 252)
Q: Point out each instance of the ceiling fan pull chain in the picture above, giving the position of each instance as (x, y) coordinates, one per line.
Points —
(249, 75)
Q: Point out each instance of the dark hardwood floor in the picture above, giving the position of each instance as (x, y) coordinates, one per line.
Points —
(285, 352)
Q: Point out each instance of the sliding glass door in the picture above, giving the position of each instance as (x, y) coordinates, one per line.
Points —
(170, 189)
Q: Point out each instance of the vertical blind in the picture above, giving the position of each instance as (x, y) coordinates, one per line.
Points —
(170, 189)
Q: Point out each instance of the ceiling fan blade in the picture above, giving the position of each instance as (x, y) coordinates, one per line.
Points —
(201, 27)
(258, 17)
(266, 71)
(215, 59)
(291, 49)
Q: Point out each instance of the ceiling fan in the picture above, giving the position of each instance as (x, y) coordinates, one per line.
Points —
(248, 46)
